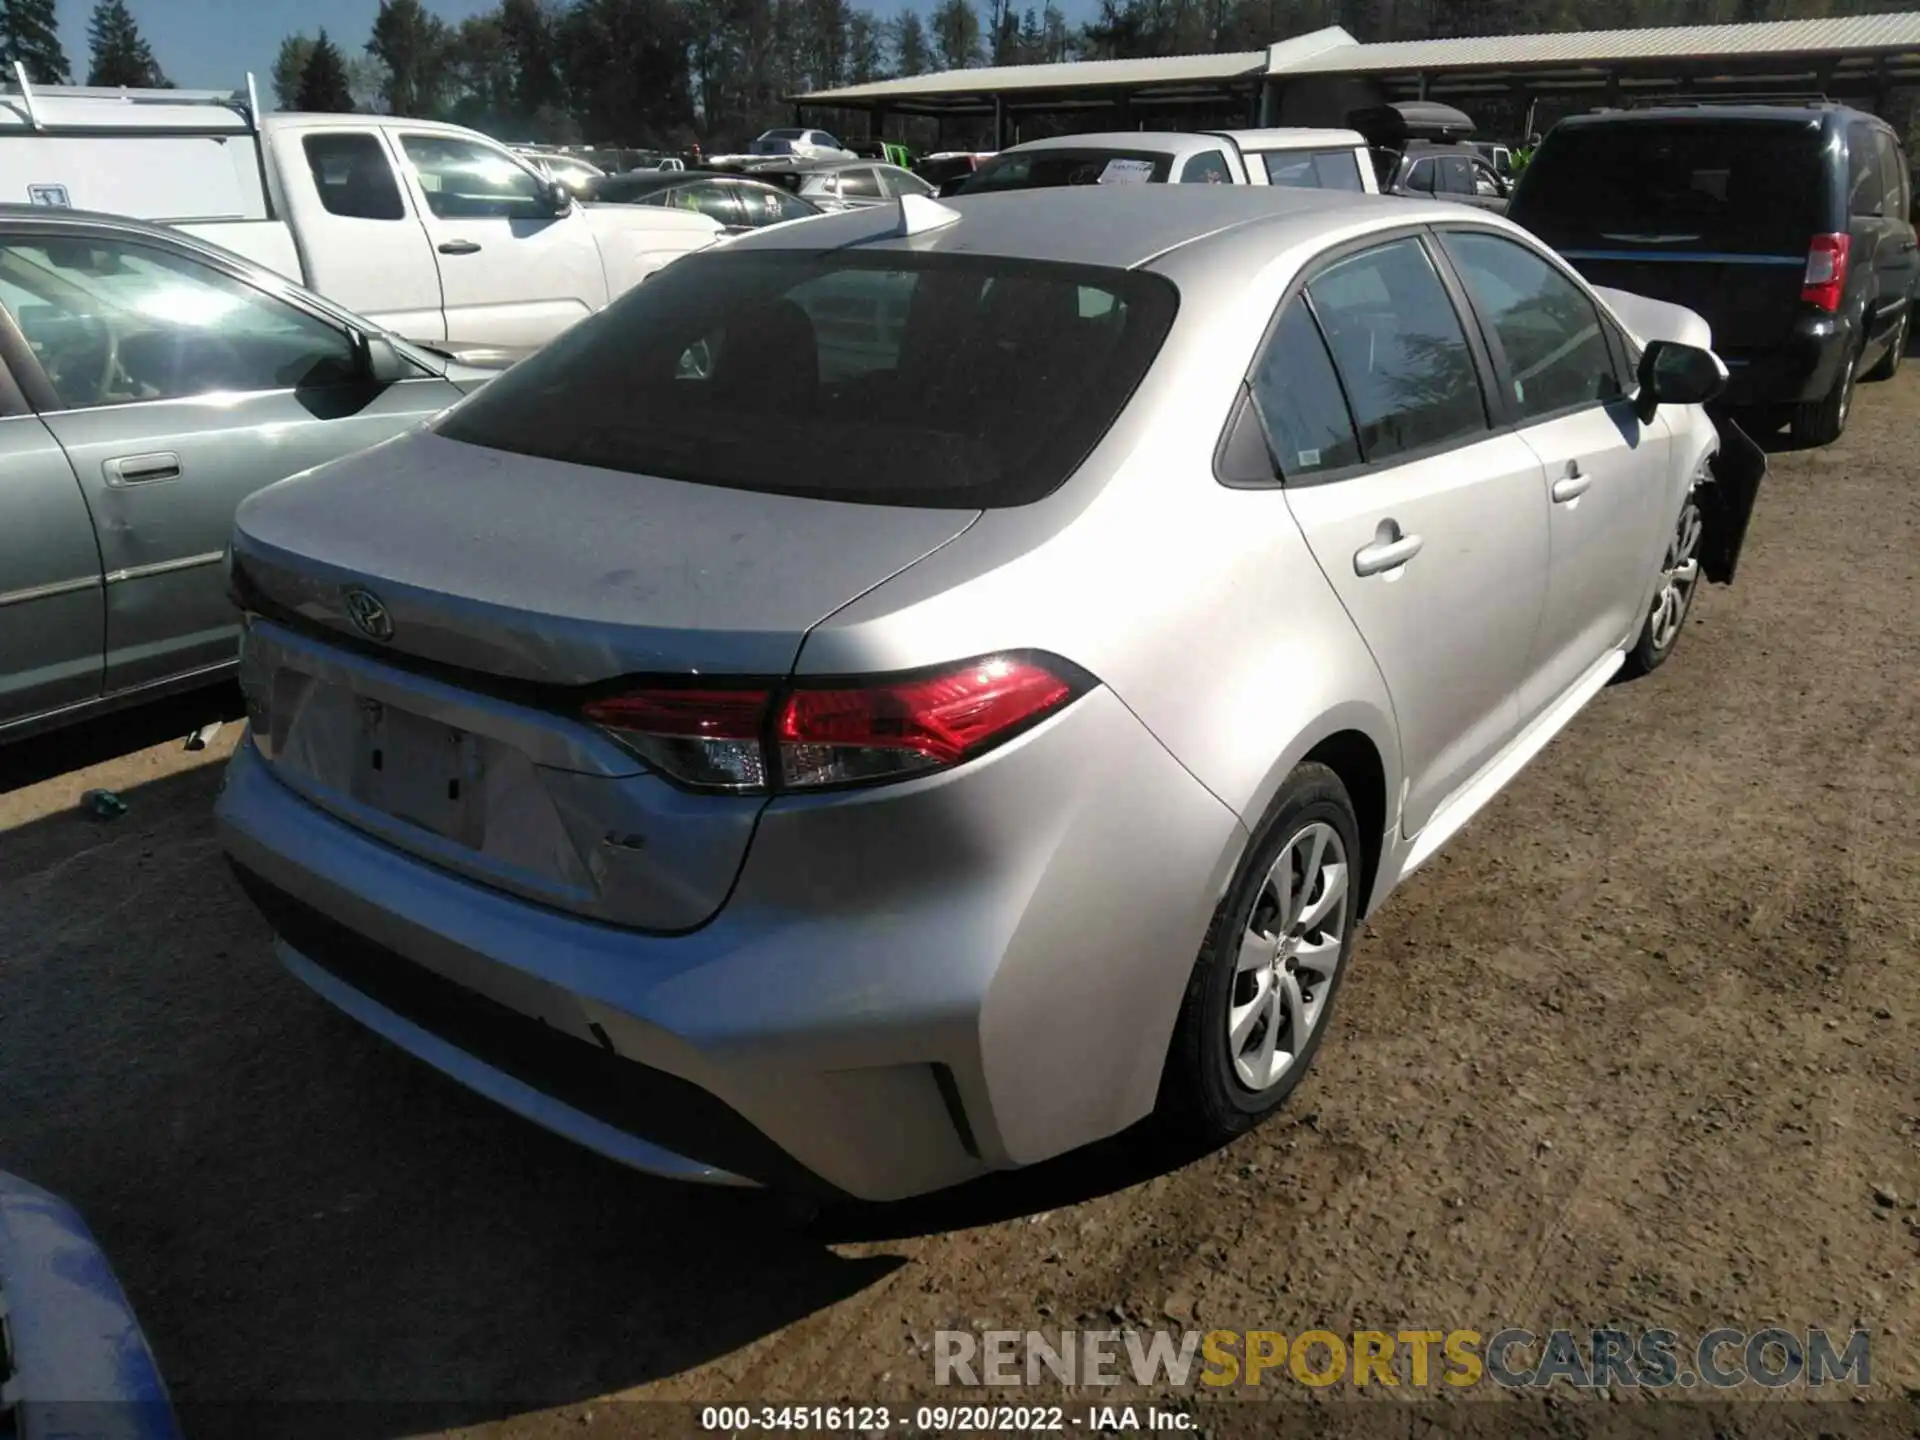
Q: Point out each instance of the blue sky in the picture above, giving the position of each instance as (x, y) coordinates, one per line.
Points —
(211, 44)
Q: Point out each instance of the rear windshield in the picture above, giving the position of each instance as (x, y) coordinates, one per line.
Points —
(1720, 186)
(950, 381)
(1043, 169)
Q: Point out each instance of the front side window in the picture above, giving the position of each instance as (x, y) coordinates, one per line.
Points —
(1400, 350)
(354, 177)
(1556, 351)
(860, 184)
(1297, 397)
(904, 182)
(956, 381)
(468, 181)
(114, 323)
(712, 199)
(1209, 167)
(1420, 176)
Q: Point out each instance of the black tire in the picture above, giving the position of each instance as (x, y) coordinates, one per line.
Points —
(1203, 1103)
(1821, 422)
(1657, 640)
(1889, 363)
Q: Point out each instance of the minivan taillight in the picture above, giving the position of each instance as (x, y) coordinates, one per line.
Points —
(812, 736)
(1826, 277)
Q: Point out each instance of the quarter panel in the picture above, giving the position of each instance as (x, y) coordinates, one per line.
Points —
(1199, 605)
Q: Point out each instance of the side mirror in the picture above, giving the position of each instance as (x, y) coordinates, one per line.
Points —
(1676, 374)
(558, 197)
(375, 361)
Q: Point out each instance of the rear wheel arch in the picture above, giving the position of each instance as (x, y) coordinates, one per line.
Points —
(1353, 756)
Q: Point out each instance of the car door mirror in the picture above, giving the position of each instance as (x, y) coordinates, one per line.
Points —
(375, 361)
(557, 197)
(1676, 374)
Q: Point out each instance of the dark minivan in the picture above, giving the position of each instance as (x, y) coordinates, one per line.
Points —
(1788, 227)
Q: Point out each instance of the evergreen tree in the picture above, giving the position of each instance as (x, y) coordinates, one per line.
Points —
(414, 50)
(120, 54)
(911, 55)
(289, 68)
(30, 34)
(324, 86)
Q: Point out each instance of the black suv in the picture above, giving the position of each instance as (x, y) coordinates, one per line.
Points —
(1788, 227)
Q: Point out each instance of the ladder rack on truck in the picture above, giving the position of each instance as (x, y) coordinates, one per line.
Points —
(95, 112)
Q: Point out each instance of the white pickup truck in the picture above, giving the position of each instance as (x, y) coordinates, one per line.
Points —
(1284, 155)
(435, 232)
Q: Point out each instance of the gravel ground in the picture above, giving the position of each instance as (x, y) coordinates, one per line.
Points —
(1639, 1046)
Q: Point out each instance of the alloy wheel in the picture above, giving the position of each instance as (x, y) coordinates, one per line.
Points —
(1289, 951)
(1679, 578)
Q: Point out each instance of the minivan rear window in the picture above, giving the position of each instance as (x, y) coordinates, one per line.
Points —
(888, 378)
(1045, 169)
(1721, 186)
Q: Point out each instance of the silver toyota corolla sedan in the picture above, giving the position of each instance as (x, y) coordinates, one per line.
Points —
(974, 707)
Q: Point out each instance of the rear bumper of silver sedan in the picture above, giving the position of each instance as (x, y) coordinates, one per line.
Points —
(910, 986)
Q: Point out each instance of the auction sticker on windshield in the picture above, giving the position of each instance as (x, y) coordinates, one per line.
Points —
(1127, 172)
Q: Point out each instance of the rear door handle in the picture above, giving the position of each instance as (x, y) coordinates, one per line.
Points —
(1572, 485)
(458, 247)
(140, 469)
(1389, 549)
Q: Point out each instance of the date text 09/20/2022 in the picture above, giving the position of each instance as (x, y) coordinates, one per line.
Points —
(943, 1419)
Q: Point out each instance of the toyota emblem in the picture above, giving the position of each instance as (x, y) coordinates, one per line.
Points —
(369, 614)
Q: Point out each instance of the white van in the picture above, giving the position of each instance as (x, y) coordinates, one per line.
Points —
(433, 231)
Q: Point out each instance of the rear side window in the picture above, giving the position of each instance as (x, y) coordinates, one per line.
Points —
(1455, 175)
(1686, 186)
(1400, 350)
(1043, 169)
(1209, 167)
(354, 176)
(1893, 176)
(949, 381)
(1314, 169)
(1866, 191)
(1297, 397)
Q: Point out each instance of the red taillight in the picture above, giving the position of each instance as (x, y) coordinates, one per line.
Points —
(845, 734)
(710, 738)
(871, 732)
(1826, 278)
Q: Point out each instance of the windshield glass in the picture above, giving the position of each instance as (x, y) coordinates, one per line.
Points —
(1042, 169)
(892, 379)
(1732, 186)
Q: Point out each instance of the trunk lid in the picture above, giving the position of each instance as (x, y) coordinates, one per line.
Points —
(539, 571)
(444, 721)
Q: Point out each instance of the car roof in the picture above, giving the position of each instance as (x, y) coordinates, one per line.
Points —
(1292, 137)
(1667, 114)
(1116, 226)
(1157, 142)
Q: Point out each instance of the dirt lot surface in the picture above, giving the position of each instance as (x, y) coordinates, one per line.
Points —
(1640, 1046)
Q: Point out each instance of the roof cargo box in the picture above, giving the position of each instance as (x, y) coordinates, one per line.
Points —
(1395, 125)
